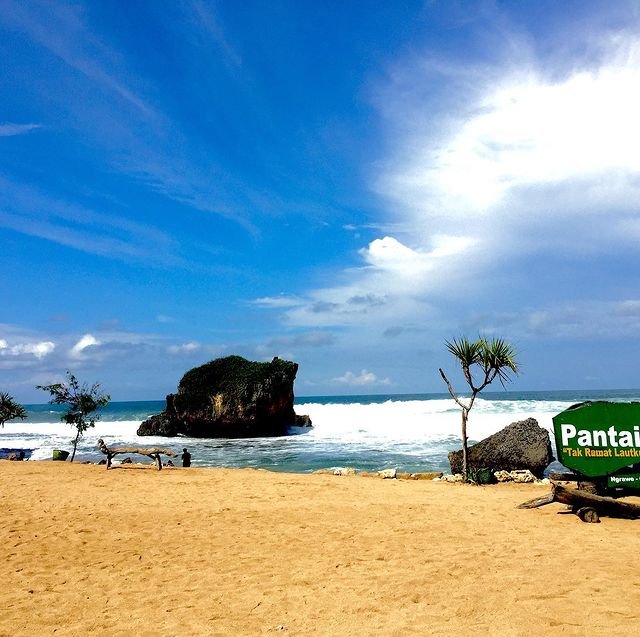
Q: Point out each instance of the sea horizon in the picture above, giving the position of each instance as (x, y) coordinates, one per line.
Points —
(587, 393)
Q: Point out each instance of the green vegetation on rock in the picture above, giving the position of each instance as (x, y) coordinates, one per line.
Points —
(231, 374)
(230, 397)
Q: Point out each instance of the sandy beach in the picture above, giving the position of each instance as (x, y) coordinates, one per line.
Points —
(246, 552)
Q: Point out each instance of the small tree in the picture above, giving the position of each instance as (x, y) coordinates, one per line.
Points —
(82, 401)
(10, 409)
(494, 358)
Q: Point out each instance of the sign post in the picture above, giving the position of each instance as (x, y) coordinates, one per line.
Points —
(601, 439)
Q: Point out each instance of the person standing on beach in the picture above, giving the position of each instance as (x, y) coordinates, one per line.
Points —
(186, 458)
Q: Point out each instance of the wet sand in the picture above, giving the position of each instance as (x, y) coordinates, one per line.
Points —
(134, 551)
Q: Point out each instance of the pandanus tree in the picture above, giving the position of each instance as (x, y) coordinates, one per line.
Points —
(10, 409)
(82, 401)
(487, 360)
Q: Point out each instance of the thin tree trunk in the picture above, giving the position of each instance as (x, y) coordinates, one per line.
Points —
(465, 446)
(75, 445)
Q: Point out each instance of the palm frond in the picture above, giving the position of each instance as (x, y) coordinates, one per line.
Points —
(500, 357)
(467, 352)
(10, 409)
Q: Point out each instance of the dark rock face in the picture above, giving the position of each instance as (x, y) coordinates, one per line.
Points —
(303, 421)
(229, 398)
(159, 425)
(520, 445)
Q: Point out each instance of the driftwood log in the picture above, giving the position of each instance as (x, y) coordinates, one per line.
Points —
(151, 452)
(596, 486)
(580, 500)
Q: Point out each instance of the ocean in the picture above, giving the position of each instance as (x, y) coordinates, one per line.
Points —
(412, 433)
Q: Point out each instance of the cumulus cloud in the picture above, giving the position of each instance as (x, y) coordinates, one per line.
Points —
(506, 160)
(86, 341)
(37, 349)
(523, 151)
(121, 360)
(392, 280)
(363, 379)
(390, 256)
(534, 131)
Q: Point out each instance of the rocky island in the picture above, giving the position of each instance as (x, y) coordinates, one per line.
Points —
(230, 397)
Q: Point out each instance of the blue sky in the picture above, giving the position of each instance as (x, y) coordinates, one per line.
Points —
(346, 184)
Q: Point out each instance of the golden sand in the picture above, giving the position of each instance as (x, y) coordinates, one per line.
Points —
(134, 551)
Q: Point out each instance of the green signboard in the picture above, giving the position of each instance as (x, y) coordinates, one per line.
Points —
(599, 439)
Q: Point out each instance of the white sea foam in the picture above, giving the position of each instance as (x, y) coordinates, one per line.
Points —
(421, 420)
(410, 433)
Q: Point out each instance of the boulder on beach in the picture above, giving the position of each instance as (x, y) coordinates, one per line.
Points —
(230, 397)
(520, 445)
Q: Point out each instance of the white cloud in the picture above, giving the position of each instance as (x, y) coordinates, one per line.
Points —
(392, 281)
(86, 341)
(516, 161)
(10, 130)
(281, 301)
(388, 254)
(516, 155)
(525, 159)
(363, 379)
(532, 131)
(185, 348)
(38, 349)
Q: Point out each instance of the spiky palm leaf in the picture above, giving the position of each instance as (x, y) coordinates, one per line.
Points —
(500, 357)
(467, 352)
(10, 409)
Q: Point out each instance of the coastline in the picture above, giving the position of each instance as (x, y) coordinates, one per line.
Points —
(206, 551)
(347, 431)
